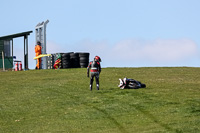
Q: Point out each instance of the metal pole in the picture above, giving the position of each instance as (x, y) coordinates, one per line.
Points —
(12, 47)
(24, 55)
(44, 38)
(27, 51)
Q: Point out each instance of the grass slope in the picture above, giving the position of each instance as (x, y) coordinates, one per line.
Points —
(60, 101)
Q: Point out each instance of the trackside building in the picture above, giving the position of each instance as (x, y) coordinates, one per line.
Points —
(6, 49)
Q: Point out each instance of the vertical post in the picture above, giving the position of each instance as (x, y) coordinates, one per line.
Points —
(12, 47)
(44, 40)
(3, 61)
(25, 52)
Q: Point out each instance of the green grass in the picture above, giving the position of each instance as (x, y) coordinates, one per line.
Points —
(51, 101)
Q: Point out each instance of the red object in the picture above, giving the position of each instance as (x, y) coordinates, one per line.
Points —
(93, 70)
(56, 65)
(16, 66)
(20, 66)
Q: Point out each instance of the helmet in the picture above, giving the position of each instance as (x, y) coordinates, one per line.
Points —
(58, 56)
(38, 43)
(97, 58)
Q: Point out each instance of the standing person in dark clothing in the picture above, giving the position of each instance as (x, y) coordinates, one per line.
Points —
(95, 70)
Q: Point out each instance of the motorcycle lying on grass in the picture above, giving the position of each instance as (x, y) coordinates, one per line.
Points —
(128, 83)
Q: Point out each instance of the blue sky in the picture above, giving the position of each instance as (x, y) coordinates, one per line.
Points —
(124, 33)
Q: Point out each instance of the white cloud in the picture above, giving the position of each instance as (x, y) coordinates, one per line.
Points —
(170, 50)
(157, 50)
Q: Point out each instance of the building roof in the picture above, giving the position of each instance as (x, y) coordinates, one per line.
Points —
(8, 37)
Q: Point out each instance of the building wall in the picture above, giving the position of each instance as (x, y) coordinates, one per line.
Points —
(1, 48)
(7, 49)
(8, 60)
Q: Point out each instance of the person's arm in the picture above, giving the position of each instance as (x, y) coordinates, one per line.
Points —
(88, 69)
(99, 68)
(36, 49)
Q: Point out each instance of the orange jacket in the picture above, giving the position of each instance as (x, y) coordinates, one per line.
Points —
(38, 50)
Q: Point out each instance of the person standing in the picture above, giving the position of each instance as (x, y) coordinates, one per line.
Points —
(95, 70)
(38, 51)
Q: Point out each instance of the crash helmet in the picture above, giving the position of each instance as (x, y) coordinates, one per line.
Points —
(38, 43)
(97, 58)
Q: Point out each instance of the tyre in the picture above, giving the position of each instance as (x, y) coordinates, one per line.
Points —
(84, 55)
(74, 55)
(74, 58)
(66, 66)
(66, 54)
(83, 65)
(84, 59)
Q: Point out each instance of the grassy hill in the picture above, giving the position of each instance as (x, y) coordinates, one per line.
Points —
(51, 101)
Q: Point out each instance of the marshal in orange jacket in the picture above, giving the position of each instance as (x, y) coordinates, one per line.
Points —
(38, 51)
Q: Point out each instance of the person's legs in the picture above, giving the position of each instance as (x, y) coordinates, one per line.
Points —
(38, 63)
(91, 80)
(97, 80)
